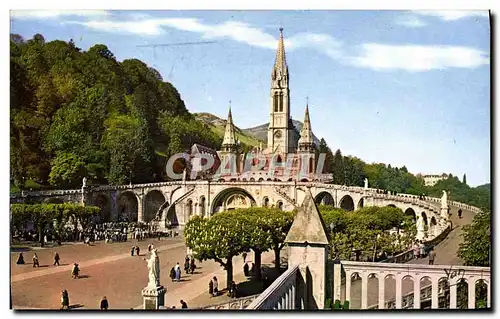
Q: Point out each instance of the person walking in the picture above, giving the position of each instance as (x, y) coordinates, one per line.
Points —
(460, 213)
(416, 250)
(172, 274)
(432, 256)
(75, 272)
(192, 266)
(177, 272)
(64, 300)
(56, 259)
(132, 251)
(186, 265)
(36, 263)
(20, 259)
(183, 304)
(422, 249)
(137, 250)
(216, 287)
(232, 290)
(104, 303)
(211, 288)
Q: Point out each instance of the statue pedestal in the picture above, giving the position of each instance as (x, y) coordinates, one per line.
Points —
(153, 297)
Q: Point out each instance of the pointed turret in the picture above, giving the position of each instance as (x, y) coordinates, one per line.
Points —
(306, 141)
(308, 226)
(229, 141)
(280, 68)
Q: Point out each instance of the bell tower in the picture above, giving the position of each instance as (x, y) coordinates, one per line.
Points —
(279, 131)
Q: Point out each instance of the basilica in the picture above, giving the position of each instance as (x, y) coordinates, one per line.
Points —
(289, 155)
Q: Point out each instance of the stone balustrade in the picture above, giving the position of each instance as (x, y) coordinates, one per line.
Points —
(237, 304)
(280, 295)
(434, 273)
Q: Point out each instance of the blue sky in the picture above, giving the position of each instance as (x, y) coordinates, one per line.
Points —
(399, 87)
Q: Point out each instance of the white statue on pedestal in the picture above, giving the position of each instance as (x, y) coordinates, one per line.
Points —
(154, 269)
(84, 182)
(366, 183)
(444, 200)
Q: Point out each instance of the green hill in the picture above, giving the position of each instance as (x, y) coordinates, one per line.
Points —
(218, 125)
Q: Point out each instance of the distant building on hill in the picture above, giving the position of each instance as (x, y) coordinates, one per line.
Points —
(431, 180)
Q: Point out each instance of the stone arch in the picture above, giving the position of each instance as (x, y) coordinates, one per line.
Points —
(265, 201)
(347, 203)
(373, 286)
(202, 206)
(389, 291)
(425, 292)
(462, 293)
(261, 179)
(152, 202)
(407, 285)
(361, 202)
(443, 291)
(252, 179)
(392, 205)
(304, 180)
(424, 218)
(410, 212)
(279, 204)
(324, 198)
(481, 292)
(128, 206)
(226, 198)
(104, 202)
(355, 278)
(188, 209)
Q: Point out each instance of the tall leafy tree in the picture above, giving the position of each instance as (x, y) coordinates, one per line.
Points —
(476, 248)
(338, 168)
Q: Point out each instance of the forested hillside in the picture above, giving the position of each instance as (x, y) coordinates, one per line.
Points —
(78, 113)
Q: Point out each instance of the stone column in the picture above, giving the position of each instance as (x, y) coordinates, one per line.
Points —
(434, 304)
(337, 280)
(416, 293)
(488, 294)
(453, 295)
(140, 207)
(364, 291)
(399, 284)
(348, 286)
(472, 293)
(381, 291)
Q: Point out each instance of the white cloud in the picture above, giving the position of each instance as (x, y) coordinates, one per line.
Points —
(234, 30)
(53, 14)
(410, 21)
(453, 15)
(416, 58)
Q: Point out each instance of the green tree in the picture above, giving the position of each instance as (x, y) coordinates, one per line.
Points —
(338, 168)
(218, 238)
(464, 179)
(67, 170)
(476, 247)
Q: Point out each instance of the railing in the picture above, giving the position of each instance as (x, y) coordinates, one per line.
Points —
(281, 294)
(434, 273)
(240, 303)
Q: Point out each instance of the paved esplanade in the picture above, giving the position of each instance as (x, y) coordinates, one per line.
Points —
(446, 254)
(109, 270)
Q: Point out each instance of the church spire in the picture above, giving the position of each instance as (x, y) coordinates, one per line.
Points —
(229, 142)
(306, 141)
(280, 67)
